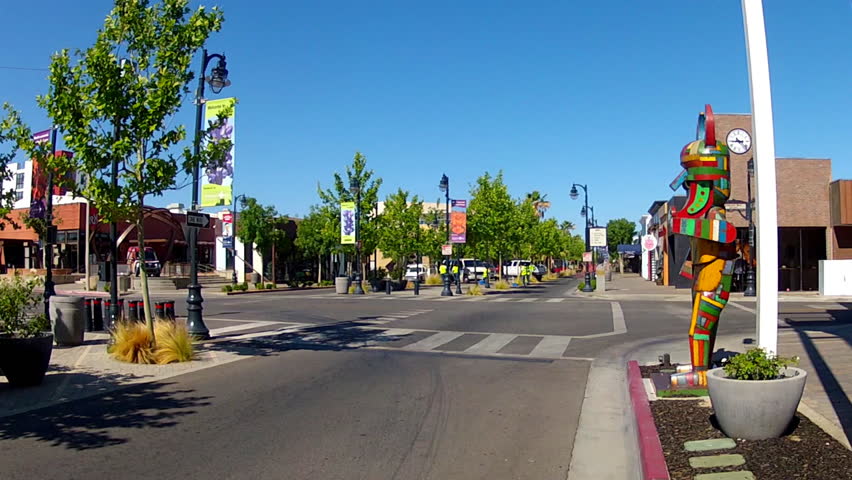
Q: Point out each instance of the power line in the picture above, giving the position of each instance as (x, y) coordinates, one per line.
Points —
(25, 68)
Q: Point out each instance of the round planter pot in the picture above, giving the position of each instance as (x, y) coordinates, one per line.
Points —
(755, 409)
(24, 361)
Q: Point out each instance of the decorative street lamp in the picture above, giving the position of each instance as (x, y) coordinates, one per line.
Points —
(217, 80)
(587, 287)
(750, 290)
(445, 187)
(242, 199)
(355, 188)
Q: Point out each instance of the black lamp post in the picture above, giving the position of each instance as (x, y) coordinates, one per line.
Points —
(750, 290)
(587, 287)
(217, 80)
(445, 187)
(50, 235)
(242, 201)
(355, 188)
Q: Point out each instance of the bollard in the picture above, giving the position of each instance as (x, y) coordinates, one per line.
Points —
(160, 310)
(87, 314)
(388, 287)
(132, 312)
(170, 310)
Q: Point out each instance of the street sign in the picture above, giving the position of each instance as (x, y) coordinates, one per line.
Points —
(446, 249)
(197, 219)
(228, 242)
(597, 237)
(587, 257)
(649, 242)
(228, 217)
(460, 203)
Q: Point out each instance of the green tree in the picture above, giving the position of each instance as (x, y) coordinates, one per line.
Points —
(491, 215)
(399, 227)
(539, 202)
(8, 135)
(567, 226)
(434, 234)
(340, 192)
(619, 232)
(318, 234)
(112, 109)
(258, 224)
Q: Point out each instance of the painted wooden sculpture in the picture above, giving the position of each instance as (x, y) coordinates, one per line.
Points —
(707, 180)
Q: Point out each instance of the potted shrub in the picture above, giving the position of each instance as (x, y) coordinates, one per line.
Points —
(755, 395)
(25, 340)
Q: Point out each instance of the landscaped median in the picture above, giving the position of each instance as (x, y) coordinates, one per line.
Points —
(680, 439)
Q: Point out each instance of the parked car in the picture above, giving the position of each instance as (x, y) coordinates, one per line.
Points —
(412, 272)
(512, 268)
(151, 262)
(476, 269)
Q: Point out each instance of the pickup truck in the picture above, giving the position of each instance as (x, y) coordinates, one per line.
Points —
(476, 270)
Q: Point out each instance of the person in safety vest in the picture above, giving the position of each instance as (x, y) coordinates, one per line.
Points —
(526, 274)
(456, 272)
(443, 271)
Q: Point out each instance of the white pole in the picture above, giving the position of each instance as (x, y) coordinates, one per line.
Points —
(764, 171)
(88, 215)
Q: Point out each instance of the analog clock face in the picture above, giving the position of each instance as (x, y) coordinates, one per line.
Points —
(739, 141)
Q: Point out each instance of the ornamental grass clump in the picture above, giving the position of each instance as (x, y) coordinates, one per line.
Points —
(475, 290)
(549, 277)
(433, 280)
(132, 343)
(756, 364)
(502, 285)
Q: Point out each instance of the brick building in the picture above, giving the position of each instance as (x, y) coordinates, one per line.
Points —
(807, 230)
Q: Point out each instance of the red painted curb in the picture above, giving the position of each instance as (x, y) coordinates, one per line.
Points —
(650, 449)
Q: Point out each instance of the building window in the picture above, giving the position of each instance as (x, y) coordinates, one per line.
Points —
(19, 181)
(19, 195)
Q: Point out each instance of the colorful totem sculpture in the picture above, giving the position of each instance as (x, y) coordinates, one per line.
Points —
(707, 179)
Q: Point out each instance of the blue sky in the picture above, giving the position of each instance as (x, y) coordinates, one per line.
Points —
(550, 92)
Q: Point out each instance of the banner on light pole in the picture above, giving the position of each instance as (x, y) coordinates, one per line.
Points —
(347, 223)
(217, 183)
(458, 222)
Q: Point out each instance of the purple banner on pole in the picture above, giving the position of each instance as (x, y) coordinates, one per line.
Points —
(42, 137)
(460, 203)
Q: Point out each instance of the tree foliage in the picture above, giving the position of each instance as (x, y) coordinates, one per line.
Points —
(491, 215)
(619, 232)
(258, 224)
(399, 226)
(318, 232)
(116, 101)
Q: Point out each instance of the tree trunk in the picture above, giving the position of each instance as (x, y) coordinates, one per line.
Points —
(272, 270)
(143, 275)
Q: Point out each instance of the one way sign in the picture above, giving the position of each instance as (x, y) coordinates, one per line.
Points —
(197, 219)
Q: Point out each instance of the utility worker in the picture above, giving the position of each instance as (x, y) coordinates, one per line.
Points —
(443, 270)
(456, 272)
(526, 270)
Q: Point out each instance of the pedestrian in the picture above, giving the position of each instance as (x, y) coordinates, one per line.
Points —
(456, 272)
(443, 271)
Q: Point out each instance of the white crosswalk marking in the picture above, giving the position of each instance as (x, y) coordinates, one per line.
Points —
(528, 300)
(491, 344)
(555, 300)
(502, 299)
(434, 341)
(551, 347)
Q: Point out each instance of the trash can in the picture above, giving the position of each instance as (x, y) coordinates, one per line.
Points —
(341, 285)
(66, 318)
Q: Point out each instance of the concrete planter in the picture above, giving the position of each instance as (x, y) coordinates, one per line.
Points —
(24, 361)
(341, 285)
(755, 409)
(66, 318)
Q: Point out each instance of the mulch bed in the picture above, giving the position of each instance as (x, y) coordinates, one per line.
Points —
(806, 452)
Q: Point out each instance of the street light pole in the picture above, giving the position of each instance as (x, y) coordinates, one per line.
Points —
(241, 198)
(50, 235)
(355, 187)
(587, 287)
(445, 187)
(750, 290)
(218, 80)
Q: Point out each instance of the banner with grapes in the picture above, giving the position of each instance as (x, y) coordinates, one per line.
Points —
(347, 223)
(218, 180)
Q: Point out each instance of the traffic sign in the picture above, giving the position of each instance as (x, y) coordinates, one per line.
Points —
(228, 217)
(587, 257)
(446, 249)
(227, 242)
(597, 237)
(649, 242)
(197, 219)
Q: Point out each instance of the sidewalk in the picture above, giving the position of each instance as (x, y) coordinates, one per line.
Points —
(631, 286)
(824, 353)
(86, 370)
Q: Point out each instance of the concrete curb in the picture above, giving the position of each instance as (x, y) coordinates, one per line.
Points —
(650, 449)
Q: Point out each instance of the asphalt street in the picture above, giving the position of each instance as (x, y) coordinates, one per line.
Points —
(376, 387)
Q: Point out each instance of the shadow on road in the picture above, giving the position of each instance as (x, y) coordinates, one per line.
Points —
(347, 335)
(97, 421)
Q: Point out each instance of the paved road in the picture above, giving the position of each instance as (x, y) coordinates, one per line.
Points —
(377, 387)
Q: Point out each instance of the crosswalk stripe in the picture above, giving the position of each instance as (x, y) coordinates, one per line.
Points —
(434, 341)
(528, 300)
(502, 299)
(396, 332)
(554, 300)
(551, 347)
(491, 344)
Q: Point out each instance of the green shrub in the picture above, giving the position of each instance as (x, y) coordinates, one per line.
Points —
(258, 286)
(433, 280)
(270, 286)
(583, 284)
(756, 364)
(241, 287)
(227, 288)
(326, 283)
(502, 285)
(19, 307)
(106, 286)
